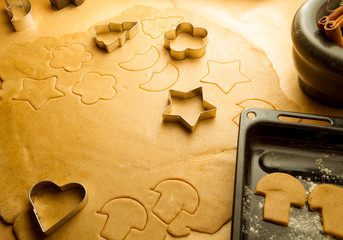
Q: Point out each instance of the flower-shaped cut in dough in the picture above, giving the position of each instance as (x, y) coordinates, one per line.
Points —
(185, 27)
(94, 87)
(70, 57)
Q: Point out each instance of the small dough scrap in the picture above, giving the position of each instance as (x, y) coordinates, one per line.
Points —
(281, 190)
(328, 199)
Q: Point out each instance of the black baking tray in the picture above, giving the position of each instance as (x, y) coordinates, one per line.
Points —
(309, 147)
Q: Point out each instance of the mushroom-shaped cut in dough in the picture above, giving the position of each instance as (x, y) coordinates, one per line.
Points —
(124, 214)
(329, 199)
(176, 196)
(281, 190)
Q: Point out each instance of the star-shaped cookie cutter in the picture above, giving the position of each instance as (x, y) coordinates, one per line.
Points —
(186, 27)
(129, 30)
(19, 23)
(48, 184)
(210, 110)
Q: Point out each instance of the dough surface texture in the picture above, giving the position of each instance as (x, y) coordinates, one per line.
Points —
(74, 113)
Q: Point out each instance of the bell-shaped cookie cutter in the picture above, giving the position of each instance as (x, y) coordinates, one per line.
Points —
(15, 10)
(210, 110)
(129, 30)
(48, 184)
(186, 27)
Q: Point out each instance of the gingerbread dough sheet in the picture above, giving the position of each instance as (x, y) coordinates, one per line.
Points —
(75, 113)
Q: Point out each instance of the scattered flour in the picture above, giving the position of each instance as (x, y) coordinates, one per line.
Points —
(328, 175)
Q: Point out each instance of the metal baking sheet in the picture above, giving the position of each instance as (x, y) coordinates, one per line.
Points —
(309, 147)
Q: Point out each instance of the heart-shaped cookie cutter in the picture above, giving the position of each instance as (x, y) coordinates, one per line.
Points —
(19, 23)
(48, 184)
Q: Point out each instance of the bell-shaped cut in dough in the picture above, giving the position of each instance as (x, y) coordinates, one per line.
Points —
(329, 199)
(281, 190)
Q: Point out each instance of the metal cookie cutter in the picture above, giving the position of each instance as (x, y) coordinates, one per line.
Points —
(186, 27)
(19, 12)
(210, 110)
(48, 184)
(129, 30)
(59, 4)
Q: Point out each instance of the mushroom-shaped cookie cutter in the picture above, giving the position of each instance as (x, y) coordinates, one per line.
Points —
(129, 30)
(15, 10)
(209, 112)
(186, 27)
(48, 184)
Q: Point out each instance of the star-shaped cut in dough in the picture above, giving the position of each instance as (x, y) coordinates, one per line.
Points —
(225, 75)
(189, 122)
(38, 92)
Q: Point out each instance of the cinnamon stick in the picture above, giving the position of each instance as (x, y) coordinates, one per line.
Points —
(332, 17)
(333, 31)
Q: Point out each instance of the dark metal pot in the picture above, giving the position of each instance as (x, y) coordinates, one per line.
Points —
(318, 61)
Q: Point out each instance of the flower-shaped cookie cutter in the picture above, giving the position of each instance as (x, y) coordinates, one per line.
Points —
(186, 27)
(19, 23)
(48, 184)
(209, 112)
(128, 29)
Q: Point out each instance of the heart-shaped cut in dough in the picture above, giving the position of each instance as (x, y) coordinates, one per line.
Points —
(54, 205)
